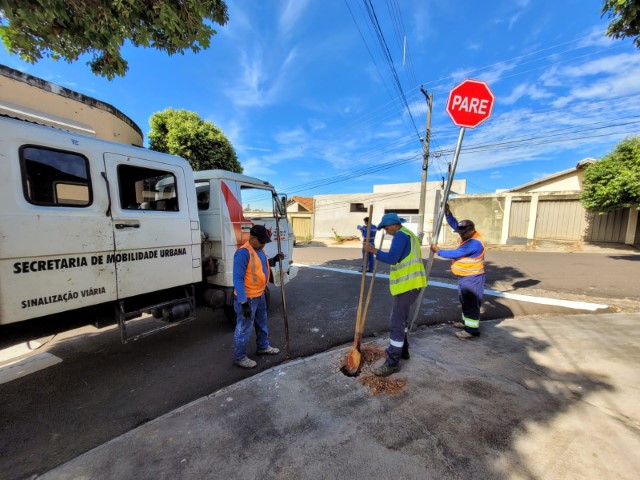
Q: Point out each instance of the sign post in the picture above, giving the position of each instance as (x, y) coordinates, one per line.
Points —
(469, 104)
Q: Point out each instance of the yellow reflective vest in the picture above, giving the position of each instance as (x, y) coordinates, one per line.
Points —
(465, 266)
(408, 273)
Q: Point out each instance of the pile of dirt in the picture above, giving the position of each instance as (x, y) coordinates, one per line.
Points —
(371, 354)
(377, 385)
(388, 385)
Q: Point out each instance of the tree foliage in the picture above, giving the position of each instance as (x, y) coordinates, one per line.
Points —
(66, 29)
(625, 15)
(614, 181)
(200, 142)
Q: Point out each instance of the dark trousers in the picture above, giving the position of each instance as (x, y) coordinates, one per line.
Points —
(470, 293)
(400, 311)
(370, 260)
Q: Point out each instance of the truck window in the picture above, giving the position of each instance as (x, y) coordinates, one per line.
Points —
(257, 203)
(202, 194)
(55, 178)
(147, 189)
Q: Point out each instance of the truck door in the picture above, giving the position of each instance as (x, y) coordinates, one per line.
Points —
(54, 229)
(155, 247)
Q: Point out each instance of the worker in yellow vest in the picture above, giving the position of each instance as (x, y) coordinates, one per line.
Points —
(250, 277)
(406, 278)
(467, 263)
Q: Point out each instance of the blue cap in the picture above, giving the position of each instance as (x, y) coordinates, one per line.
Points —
(390, 219)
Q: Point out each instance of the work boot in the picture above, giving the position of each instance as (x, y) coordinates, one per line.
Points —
(385, 370)
(269, 351)
(246, 362)
(404, 355)
(458, 325)
(464, 335)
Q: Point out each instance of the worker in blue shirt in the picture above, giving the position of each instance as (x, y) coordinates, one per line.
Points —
(372, 238)
(406, 278)
(250, 277)
(467, 263)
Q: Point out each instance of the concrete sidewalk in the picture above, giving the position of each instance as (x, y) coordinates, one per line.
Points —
(534, 397)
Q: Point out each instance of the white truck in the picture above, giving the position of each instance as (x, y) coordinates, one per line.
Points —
(87, 222)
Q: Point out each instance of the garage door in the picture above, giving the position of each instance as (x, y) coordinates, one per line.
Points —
(301, 227)
(610, 227)
(560, 220)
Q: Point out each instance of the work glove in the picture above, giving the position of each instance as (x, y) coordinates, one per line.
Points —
(246, 310)
(278, 256)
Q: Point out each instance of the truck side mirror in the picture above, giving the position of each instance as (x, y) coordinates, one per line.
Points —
(280, 205)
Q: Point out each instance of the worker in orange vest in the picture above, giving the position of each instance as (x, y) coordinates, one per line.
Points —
(467, 263)
(250, 277)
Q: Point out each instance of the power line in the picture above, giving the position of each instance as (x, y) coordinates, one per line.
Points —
(387, 54)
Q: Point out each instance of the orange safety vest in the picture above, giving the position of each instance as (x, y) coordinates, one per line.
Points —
(255, 280)
(465, 266)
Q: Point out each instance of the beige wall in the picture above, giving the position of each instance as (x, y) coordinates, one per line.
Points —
(39, 101)
(485, 211)
(570, 181)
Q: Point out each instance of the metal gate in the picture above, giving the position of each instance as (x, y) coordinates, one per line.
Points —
(610, 227)
(301, 227)
(519, 219)
(560, 220)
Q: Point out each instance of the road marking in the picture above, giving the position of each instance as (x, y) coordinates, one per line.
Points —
(592, 307)
(27, 366)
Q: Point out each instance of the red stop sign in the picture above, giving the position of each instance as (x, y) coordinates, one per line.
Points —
(470, 103)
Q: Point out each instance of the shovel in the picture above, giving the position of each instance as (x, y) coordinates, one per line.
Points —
(354, 357)
(373, 277)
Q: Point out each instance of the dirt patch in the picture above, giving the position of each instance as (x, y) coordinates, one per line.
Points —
(371, 354)
(387, 385)
(377, 385)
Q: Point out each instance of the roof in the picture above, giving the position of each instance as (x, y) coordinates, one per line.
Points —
(306, 202)
(579, 166)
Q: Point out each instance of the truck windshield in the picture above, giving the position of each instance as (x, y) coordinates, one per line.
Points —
(257, 203)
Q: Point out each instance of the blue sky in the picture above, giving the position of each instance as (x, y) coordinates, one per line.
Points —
(303, 90)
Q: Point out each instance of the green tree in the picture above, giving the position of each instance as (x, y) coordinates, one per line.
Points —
(625, 15)
(614, 181)
(66, 29)
(184, 133)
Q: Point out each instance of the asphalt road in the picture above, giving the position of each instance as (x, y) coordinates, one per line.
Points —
(102, 389)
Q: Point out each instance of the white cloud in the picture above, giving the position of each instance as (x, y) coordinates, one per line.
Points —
(257, 86)
(316, 124)
(524, 90)
(295, 136)
(291, 14)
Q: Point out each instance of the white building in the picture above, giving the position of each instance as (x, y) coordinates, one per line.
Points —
(339, 215)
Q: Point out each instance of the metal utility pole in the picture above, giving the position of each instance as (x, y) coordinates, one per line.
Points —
(425, 164)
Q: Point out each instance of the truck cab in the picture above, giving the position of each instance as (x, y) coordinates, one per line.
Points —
(229, 204)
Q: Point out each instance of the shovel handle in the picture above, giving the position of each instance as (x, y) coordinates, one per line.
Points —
(358, 335)
(373, 277)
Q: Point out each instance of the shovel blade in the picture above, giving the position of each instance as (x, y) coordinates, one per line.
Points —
(352, 364)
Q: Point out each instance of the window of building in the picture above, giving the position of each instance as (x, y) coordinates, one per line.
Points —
(147, 189)
(55, 178)
(357, 207)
